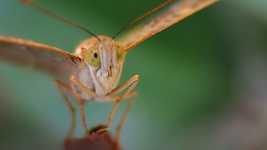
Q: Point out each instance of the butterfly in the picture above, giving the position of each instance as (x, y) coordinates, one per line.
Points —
(93, 71)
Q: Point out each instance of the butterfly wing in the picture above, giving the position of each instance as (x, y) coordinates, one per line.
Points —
(158, 19)
(51, 60)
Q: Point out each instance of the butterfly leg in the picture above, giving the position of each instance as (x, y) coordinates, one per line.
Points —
(115, 106)
(74, 81)
(123, 119)
(82, 113)
(129, 86)
(63, 89)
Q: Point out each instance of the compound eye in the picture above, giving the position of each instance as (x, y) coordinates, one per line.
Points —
(92, 57)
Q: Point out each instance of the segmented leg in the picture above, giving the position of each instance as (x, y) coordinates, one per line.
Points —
(63, 89)
(129, 86)
(115, 106)
(81, 102)
(83, 114)
(123, 119)
(125, 85)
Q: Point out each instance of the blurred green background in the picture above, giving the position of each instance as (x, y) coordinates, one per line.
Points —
(203, 81)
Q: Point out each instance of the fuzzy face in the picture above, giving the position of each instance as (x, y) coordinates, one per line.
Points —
(104, 58)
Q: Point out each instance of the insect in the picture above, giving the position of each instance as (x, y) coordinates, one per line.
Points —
(93, 71)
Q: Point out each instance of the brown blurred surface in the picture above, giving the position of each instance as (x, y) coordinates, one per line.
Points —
(93, 141)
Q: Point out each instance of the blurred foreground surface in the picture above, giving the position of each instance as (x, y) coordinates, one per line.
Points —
(94, 141)
(203, 81)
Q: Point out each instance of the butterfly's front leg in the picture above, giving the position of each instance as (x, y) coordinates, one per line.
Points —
(129, 86)
(63, 88)
(75, 82)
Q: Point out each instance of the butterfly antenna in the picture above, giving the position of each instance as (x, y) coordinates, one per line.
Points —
(166, 2)
(47, 12)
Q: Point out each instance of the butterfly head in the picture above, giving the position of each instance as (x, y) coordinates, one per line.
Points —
(104, 56)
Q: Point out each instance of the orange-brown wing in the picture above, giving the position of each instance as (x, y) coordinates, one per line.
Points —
(51, 60)
(158, 19)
